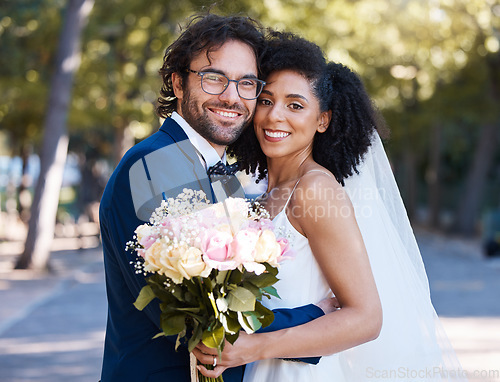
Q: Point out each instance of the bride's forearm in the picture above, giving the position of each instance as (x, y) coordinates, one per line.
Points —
(326, 335)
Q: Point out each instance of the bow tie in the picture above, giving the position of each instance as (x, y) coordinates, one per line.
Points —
(221, 169)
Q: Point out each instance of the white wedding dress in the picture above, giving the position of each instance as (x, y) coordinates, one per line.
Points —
(412, 345)
(301, 283)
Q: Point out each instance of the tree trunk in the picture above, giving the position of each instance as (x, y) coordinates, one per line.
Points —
(477, 177)
(23, 193)
(124, 140)
(476, 180)
(433, 177)
(55, 141)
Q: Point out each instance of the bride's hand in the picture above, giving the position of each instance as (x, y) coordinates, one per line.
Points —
(232, 356)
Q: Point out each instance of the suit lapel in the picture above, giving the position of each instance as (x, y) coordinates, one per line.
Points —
(190, 153)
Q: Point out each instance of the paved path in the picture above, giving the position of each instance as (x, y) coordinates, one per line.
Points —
(52, 327)
(465, 290)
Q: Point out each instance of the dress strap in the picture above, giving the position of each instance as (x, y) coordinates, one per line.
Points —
(318, 170)
(291, 193)
(294, 187)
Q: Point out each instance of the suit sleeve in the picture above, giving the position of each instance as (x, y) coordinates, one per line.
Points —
(287, 318)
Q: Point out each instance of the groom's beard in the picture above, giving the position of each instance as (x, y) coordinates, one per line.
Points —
(199, 118)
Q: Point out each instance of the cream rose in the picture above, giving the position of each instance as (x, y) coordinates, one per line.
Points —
(191, 263)
(152, 257)
(267, 249)
(169, 260)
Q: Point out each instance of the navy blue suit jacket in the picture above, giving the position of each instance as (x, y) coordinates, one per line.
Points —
(160, 166)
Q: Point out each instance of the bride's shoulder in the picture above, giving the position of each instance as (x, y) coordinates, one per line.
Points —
(318, 177)
(316, 186)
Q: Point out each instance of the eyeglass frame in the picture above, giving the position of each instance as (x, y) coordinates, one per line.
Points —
(202, 73)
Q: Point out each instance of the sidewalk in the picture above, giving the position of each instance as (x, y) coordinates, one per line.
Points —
(465, 290)
(52, 327)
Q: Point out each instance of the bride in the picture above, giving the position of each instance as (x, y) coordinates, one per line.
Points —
(332, 193)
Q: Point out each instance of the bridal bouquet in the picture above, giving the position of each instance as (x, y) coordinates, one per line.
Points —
(209, 265)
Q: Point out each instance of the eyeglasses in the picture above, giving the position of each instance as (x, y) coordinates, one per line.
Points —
(215, 84)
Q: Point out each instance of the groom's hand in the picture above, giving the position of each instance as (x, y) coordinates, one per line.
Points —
(233, 355)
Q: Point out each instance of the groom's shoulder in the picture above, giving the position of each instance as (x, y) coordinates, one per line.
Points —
(168, 135)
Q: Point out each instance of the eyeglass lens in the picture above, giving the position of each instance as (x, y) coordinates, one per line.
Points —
(214, 83)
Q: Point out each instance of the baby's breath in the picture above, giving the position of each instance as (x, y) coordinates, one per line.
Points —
(257, 212)
(185, 203)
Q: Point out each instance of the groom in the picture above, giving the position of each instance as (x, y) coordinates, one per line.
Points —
(210, 86)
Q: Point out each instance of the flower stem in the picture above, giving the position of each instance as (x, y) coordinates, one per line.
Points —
(202, 378)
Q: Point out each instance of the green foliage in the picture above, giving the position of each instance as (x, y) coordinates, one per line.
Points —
(214, 308)
(423, 62)
(25, 58)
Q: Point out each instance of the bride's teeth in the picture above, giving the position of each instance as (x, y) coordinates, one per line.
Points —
(276, 134)
(227, 114)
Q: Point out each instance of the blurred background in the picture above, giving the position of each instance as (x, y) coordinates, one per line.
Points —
(79, 81)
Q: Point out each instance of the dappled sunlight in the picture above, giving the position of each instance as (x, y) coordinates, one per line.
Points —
(430, 66)
(29, 345)
(477, 344)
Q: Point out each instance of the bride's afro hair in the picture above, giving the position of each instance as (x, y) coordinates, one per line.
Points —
(354, 118)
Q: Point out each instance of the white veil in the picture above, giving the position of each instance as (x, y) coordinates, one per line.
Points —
(412, 345)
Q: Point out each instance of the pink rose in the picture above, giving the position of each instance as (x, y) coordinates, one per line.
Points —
(286, 251)
(146, 235)
(266, 224)
(171, 227)
(242, 248)
(214, 244)
(215, 247)
(147, 241)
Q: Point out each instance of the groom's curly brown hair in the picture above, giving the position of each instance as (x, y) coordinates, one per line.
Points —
(354, 118)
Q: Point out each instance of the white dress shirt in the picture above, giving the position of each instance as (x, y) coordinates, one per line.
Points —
(208, 155)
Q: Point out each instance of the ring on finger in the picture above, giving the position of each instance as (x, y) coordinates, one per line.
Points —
(215, 361)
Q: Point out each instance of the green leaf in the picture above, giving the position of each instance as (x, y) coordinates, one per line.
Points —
(193, 287)
(178, 293)
(187, 309)
(229, 321)
(231, 338)
(196, 337)
(236, 277)
(271, 270)
(157, 283)
(214, 338)
(207, 284)
(266, 316)
(173, 323)
(178, 340)
(146, 295)
(252, 320)
(221, 277)
(263, 280)
(241, 300)
(272, 291)
(246, 324)
(252, 288)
